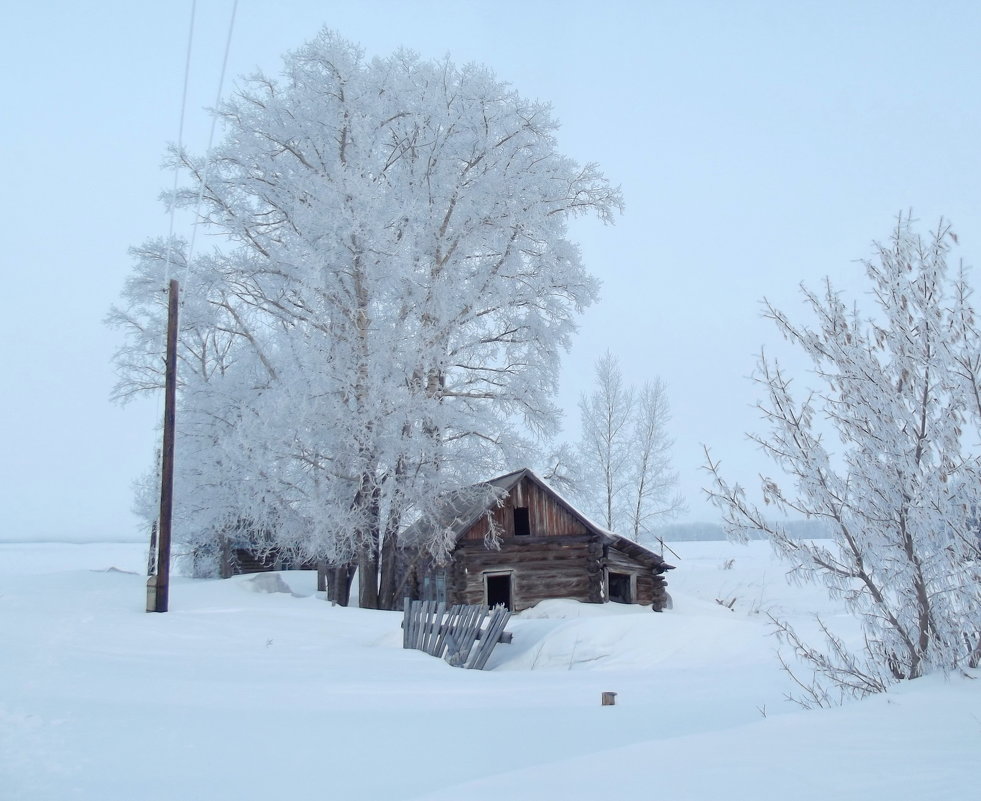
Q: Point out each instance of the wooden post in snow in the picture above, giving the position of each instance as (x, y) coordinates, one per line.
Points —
(158, 586)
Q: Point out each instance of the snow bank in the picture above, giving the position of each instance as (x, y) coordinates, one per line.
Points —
(238, 693)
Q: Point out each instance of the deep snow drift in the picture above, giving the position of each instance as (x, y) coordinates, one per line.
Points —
(240, 692)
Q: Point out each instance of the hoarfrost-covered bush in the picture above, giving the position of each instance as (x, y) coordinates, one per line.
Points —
(899, 491)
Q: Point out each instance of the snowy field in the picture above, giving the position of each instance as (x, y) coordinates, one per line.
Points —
(238, 693)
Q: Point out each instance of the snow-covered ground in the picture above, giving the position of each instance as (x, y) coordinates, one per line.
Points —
(239, 693)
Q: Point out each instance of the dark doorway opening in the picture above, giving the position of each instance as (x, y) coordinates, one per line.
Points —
(620, 588)
(522, 523)
(499, 590)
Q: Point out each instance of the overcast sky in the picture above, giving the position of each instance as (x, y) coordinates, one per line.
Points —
(758, 145)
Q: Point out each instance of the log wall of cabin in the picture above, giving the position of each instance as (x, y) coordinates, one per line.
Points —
(617, 560)
(547, 516)
(560, 558)
(540, 568)
(644, 579)
(645, 588)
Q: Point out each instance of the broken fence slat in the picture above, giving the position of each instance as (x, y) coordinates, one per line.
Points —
(435, 627)
(493, 636)
(418, 619)
(474, 643)
(498, 620)
(413, 622)
(407, 624)
(453, 652)
(407, 617)
(459, 639)
(423, 621)
(469, 633)
(447, 627)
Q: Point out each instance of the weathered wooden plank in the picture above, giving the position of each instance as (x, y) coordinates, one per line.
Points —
(415, 610)
(546, 513)
(489, 642)
(427, 625)
(494, 636)
(468, 633)
(481, 646)
(414, 619)
(498, 620)
(424, 619)
(461, 638)
(407, 623)
(453, 652)
(506, 637)
(418, 623)
(449, 625)
(454, 641)
(435, 629)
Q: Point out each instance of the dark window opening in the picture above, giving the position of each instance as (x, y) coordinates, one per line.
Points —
(620, 588)
(522, 523)
(499, 590)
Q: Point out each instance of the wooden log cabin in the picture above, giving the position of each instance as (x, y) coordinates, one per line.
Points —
(519, 542)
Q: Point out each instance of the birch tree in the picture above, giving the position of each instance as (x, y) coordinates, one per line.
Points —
(624, 473)
(652, 483)
(899, 489)
(394, 272)
(605, 416)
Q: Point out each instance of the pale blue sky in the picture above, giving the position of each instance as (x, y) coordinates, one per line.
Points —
(758, 145)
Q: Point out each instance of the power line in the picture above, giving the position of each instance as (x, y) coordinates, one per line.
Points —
(180, 141)
(211, 137)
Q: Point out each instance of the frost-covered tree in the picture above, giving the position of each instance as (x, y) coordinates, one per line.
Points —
(623, 470)
(383, 314)
(605, 444)
(899, 490)
(652, 484)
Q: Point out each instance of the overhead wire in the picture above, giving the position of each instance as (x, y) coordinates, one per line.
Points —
(168, 259)
(180, 143)
(153, 557)
(211, 136)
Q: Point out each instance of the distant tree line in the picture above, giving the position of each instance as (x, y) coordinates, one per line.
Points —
(707, 532)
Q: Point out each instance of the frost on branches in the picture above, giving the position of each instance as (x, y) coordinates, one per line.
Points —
(622, 473)
(900, 492)
(384, 309)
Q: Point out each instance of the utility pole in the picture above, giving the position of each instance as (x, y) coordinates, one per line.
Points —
(158, 586)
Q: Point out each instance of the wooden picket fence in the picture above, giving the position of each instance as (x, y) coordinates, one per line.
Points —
(431, 627)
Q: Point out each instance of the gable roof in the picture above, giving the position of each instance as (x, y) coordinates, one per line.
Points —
(458, 510)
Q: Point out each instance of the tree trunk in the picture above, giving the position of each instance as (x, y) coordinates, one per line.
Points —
(339, 583)
(368, 577)
(389, 574)
(225, 566)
